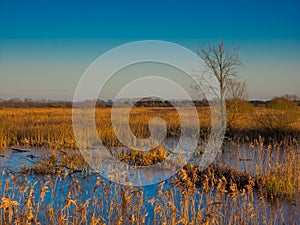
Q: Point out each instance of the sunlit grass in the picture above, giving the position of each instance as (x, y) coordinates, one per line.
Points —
(52, 128)
(213, 196)
(217, 195)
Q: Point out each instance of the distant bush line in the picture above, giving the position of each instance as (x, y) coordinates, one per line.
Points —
(19, 103)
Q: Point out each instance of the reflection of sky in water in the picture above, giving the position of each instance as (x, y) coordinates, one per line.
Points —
(232, 157)
(15, 160)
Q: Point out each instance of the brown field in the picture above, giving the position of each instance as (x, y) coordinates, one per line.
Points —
(52, 127)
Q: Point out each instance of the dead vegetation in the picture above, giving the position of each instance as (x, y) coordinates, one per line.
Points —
(216, 195)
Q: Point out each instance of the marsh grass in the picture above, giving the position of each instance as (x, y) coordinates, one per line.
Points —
(283, 180)
(217, 195)
(69, 163)
(3, 140)
(192, 176)
(62, 200)
(139, 158)
(52, 127)
(44, 167)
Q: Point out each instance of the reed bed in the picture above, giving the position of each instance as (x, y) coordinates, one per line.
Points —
(62, 199)
(52, 192)
(52, 127)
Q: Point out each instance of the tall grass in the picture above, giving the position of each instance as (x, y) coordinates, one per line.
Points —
(65, 200)
(52, 128)
(218, 195)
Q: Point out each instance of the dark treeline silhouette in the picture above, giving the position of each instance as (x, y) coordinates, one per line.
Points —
(29, 103)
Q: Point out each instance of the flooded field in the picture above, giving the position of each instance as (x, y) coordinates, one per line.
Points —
(255, 179)
(89, 198)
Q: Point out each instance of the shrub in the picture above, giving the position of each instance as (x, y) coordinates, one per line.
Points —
(237, 110)
(282, 113)
(281, 103)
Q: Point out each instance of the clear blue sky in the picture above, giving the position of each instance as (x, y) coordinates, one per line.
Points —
(45, 46)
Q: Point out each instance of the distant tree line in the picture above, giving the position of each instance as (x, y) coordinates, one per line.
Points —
(29, 103)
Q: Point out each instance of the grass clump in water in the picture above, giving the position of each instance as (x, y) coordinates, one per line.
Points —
(69, 163)
(45, 166)
(283, 181)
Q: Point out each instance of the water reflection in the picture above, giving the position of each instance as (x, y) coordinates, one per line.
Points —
(243, 157)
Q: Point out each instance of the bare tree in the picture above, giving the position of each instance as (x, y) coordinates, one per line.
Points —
(224, 65)
(237, 90)
(291, 97)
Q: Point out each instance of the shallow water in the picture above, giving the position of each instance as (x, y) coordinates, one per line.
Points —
(254, 159)
(240, 157)
(14, 161)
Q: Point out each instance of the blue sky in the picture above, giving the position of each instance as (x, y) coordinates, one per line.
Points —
(45, 46)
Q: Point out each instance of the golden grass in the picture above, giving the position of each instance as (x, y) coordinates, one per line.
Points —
(52, 127)
(283, 180)
(138, 158)
(218, 201)
(71, 162)
(218, 195)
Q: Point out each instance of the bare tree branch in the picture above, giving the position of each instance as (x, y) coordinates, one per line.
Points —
(224, 65)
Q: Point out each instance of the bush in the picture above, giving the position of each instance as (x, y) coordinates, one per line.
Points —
(237, 110)
(281, 114)
(281, 103)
